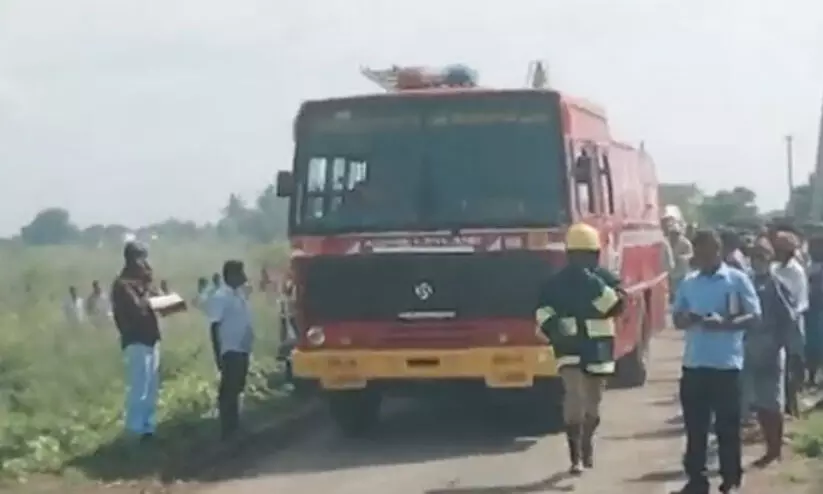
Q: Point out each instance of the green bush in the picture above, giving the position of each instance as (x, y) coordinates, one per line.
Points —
(808, 439)
(62, 389)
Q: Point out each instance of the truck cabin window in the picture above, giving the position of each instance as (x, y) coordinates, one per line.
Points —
(584, 183)
(429, 163)
(332, 182)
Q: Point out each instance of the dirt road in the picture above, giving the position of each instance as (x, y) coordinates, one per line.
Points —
(455, 451)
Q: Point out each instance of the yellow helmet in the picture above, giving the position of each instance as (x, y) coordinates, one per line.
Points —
(581, 236)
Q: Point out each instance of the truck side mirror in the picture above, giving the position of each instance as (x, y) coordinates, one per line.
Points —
(285, 184)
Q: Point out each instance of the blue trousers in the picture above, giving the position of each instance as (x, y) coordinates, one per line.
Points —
(142, 386)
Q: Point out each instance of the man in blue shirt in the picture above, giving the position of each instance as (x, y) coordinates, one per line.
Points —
(230, 317)
(714, 306)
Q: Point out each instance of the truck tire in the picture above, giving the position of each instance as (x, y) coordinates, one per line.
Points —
(354, 412)
(632, 368)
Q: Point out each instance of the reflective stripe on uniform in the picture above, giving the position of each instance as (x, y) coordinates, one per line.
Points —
(600, 328)
(601, 368)
(568, 326)
(543, 314)
(607, 299)
(564, 360)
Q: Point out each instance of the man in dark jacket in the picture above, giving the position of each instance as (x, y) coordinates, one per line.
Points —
(576, 313)
(139, 335)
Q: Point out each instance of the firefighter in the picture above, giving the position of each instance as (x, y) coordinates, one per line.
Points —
(576, 312)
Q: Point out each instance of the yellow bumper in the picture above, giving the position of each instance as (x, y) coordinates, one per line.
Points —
(352, 369)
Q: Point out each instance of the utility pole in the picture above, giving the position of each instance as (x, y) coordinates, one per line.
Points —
(790, 173)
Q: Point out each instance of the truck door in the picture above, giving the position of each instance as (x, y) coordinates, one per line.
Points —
(610, 221)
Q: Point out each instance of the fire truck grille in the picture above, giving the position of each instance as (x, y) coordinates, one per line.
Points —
(392, 286)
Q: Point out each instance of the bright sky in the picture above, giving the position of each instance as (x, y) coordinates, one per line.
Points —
(134, 110)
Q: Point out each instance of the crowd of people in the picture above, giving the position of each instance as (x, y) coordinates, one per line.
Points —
(750, 301)
(95, 308)
(750, 306)
(135, 306)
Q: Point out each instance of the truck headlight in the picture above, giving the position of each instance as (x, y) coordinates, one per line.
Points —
(316, 336)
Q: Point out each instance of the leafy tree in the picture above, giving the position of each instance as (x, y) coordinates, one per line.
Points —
(99, 234)
(686, 196)
(51, 226)
(729, 206)
(264, 223)
(235, 216)
(801, 205)
(270, 217)
(236, 208)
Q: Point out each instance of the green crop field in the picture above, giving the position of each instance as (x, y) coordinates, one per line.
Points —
(61, 387)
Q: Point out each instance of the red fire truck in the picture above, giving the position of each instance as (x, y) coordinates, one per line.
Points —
(423, 219)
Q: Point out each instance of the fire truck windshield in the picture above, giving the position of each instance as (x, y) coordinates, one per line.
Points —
(429, 163)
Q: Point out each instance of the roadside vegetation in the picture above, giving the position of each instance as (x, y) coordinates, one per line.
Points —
(62, 388)
(808, 436)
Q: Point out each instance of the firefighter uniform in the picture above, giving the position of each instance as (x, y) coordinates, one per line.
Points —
(576, 314)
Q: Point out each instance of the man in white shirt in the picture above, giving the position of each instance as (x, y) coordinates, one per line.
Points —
(216, 282)
(204, 295)
(98, 306)
(231, 318)
(73, 308)
(793, 275)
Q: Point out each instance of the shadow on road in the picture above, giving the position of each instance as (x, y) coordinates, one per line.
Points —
(409, 433)
(663, 380)
(664, 433)
(549, 484)
(665, 402)
(662, 476)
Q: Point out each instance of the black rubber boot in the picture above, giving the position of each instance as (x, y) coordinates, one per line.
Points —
(587, 441)
(573, 437)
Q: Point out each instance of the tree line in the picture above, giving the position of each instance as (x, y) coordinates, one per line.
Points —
(730, 206)
(262, 221)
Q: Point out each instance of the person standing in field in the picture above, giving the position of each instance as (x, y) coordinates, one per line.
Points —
(164, 287)
(732, 255)
(764, 365)
(575, 313)
(201, 301)
(265, 279)
(682, 253)
(814, 316)
(231, 319)
(793, 275)
(73, 308)
(139, 331)
(216, 282)
(714, 306)
(98, 306)
(202, 293)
